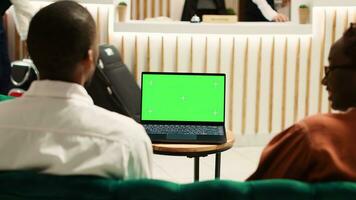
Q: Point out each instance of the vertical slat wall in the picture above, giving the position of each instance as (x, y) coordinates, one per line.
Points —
(142, 9)
(272, 80)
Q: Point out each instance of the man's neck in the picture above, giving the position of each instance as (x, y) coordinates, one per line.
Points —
(62, 80)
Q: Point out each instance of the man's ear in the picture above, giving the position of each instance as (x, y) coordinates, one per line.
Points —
(88, 62)
(91, 56)
(87, 66)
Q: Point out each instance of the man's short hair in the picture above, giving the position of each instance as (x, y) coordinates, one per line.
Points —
(59, 37)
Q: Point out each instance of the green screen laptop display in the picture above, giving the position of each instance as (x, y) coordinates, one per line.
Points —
(183, 97)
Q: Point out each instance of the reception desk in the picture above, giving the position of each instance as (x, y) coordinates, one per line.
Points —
(273, 70)
(239, 28)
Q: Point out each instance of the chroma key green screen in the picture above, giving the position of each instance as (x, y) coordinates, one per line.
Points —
(183, 97)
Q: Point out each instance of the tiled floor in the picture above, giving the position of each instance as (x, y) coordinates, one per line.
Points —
(236, 164)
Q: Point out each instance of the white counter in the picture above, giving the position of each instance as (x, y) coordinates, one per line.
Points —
(333, 3)
(247, 28)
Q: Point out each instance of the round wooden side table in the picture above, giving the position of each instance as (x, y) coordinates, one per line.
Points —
(196, 151)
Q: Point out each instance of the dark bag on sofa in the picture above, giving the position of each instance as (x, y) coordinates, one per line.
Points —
(23, 73)
(113, 87)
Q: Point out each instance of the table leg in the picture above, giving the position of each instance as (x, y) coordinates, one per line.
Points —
(196, 168)
(217, 165)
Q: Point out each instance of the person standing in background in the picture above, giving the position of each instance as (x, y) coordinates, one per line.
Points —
(260, 10)
(23, 12)
(202, 7)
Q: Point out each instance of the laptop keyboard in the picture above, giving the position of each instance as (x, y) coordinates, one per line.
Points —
(184, 129)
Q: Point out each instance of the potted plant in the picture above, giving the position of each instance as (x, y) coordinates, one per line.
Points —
(304, 14)
(230, 11)
(122, 10)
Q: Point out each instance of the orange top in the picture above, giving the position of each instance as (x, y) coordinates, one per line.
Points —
(319, 148)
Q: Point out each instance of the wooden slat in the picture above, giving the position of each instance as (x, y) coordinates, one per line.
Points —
(144, 9)
(232, 82)
(162, 55)
(258, 87)
(321, 67)
(160, 7)
(123, 47)
(284, 86)
(296, 87)
(138, 5)
(108, 31)
(206, 55)
(135, 70)
(98, 24)
(309, 63)
(219, 56)
(149, 53)
(271, 86)
(153, 8)
(132, 10)
(177, 53)
(245, 82)
(169, 8)
(333, 38)
(191, 54)
(333, 31)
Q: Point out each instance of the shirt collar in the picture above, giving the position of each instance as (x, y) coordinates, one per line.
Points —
(58, 89)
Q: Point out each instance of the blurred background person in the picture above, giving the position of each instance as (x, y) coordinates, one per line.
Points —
(261, 10)
(23, 12)
(202, 7)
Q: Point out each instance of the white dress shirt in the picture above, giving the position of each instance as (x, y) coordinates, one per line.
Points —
(23, 13)
(266, 10)
(55, 128)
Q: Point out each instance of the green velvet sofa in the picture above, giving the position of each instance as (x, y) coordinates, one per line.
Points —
(27, 185)
(4, 98)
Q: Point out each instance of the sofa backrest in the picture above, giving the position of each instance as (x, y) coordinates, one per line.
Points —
(25, 185)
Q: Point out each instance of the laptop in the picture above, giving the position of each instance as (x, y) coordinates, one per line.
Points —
(184, 107)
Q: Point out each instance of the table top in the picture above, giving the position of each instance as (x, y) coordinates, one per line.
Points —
(194, 149)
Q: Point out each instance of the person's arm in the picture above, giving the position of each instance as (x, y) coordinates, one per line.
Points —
(140, 158)
(23, 13)
(288, 155)
(268, 12)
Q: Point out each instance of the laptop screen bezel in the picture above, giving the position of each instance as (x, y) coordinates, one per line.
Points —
(183, 122)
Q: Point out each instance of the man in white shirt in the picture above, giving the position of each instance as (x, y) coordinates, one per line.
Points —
(55, 127)
(260, 10)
